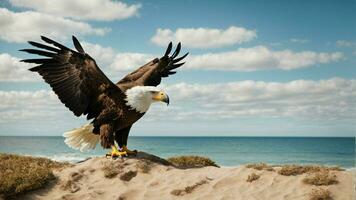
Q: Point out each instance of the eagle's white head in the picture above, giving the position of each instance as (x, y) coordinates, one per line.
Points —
(141, 97)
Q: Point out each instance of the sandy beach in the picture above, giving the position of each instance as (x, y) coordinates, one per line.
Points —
(147, 178)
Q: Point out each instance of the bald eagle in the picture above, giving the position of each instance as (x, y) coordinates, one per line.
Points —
(83, 88)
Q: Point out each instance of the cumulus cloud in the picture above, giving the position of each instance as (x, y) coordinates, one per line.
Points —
(332, 99)
(23, 26)
(36, 99)
(299, 40)
(102, 55)
(104, 10)
(130, 61)
(27, 105)
(11, 69)
(118, 61)
(345, 43)
(243, 59)
(204, 37)
(260, 58)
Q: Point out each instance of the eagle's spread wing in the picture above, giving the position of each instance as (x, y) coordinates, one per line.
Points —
(152, 73)
(73, 76)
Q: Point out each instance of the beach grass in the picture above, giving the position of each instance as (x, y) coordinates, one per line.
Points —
(293, 170)
(260, 166)
(111, 169)
(191, 161)
(252, 177)
(19, 174)
(127, 176)
(324, 177)
(320, 194)
(144, 166)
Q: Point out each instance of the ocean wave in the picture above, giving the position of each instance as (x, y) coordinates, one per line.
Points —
(351, 169)
(66, 157)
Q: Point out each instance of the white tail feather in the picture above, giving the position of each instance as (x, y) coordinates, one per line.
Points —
(81, 138)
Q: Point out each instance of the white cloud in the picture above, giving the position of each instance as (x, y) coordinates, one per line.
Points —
(260, 58)
(118, 61)
(345, 43)
(36, 99)
(11, 69)
(309, 102)
(105, 10)
(204, 37)
(106, 56)
(332, 99)
(299, 40)
(29, 25)
(102, 55)
(243, 59)
(28, 105)
(130, 61)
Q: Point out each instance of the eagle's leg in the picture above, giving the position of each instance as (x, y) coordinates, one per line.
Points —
(121, 137)
(116, 153)
(128, 151)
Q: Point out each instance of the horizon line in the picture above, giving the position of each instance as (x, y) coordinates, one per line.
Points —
(242, 136)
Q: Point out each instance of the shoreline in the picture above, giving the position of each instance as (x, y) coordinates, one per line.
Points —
(232, 152)
(74, 161)
(150, 177)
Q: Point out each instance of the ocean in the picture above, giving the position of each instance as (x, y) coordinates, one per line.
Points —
(226, 151)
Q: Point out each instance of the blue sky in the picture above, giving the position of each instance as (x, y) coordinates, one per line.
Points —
(255, 68)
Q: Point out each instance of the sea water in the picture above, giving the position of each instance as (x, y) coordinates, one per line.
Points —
(226, 151)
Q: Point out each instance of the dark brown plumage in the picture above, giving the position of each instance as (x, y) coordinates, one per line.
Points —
(83, 88)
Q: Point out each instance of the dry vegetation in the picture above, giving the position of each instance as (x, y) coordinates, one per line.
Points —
(19, 174)
(191, 161)
(293, 170)
(127, 176)
(260, 166)
(144, 166)
(188, 189)
(111, 169)
(252, 177)
(323, 177)
(320, 194)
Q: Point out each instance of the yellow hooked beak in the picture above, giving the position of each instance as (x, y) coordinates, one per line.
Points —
(161, 96)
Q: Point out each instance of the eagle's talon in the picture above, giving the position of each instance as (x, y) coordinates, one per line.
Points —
(115, 153)
(129, 152)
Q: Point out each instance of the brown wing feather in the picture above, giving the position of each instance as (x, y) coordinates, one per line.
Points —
(152, 73)
(74, 77)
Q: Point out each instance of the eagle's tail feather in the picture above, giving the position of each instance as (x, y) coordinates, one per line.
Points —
(81, 138)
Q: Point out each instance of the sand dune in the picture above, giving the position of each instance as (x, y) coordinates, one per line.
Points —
(139, 178)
